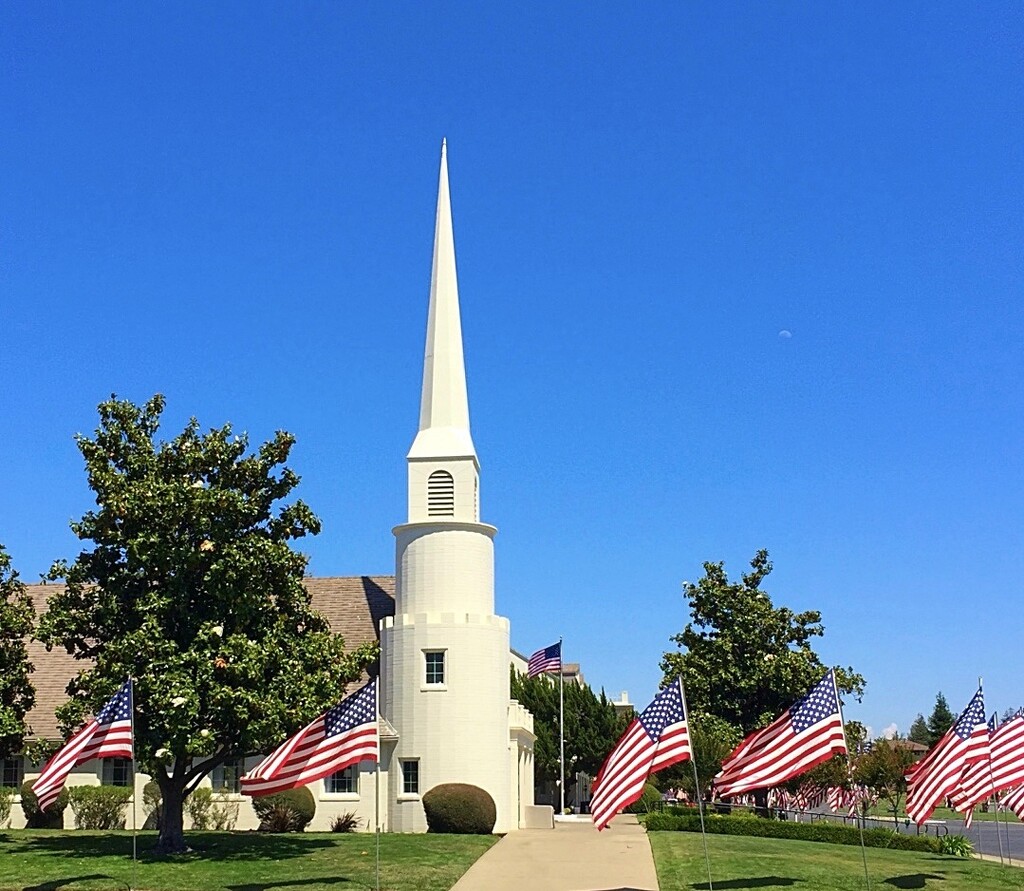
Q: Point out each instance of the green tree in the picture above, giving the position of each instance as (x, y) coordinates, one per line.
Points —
(16, 692)
(191, 586)
(592, 726)
(940, 720)
(745, 660)
(883, 769)
(712, 741)
(919, 732)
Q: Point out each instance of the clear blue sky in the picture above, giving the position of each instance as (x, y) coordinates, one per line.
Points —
(732, 275)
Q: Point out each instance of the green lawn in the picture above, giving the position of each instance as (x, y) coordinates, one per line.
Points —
(740, 862)
(235, 861)
(945, 813)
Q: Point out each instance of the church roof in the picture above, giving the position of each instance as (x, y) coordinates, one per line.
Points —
(352, 605)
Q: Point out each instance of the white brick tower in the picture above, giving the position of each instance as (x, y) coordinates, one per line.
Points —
(445, 654)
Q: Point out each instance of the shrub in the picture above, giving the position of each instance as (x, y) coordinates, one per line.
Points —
(288, 811)
(6, 798)
(197, 805)
(956, 846)
(649, 800)
(345, 823)
(832, 833)
(459, 808)
(100, 807)
(223, 814)
(152, 803)
(51, 818)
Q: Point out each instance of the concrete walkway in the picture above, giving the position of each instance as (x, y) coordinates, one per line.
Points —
(570, 857)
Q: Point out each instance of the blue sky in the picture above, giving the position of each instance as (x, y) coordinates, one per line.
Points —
(732, 276)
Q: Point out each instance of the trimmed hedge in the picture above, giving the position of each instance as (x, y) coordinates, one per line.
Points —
(758, 827)
(460, 808)
(648, 801)
(51, 818)
(100, 807)
(287, 811)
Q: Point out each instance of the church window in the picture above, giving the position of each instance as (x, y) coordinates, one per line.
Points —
(410, 777)
(435, 666)
(117, 772)
(11, 772)
(341, 781)
(227, 777)
(440, 494)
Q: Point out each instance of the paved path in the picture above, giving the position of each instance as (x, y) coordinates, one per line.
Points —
(570, 857)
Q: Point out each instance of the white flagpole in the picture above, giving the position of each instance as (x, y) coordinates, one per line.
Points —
(135, 785)
(992, 779)
(376, 784)
(696, 781)
(849, 769)
(561, 725)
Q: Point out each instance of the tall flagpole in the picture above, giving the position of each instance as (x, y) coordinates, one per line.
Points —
(135, 785)
(376, 785)
(561, 725)
(992, 780)
(849, 770)
(696, 781)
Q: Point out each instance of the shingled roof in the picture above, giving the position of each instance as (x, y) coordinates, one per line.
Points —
(352, 605)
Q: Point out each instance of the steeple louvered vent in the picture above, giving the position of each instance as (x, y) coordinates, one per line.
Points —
(440, 494)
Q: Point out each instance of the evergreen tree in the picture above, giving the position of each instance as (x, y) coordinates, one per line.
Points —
(919, 732)
(940, 720)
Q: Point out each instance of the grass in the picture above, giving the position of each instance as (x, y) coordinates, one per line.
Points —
(739, 862)
(945, 813)
(235, 861)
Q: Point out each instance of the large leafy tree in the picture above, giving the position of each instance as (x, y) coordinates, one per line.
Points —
(16, 692)
(745, 660)
(592, 726)
(191, 586)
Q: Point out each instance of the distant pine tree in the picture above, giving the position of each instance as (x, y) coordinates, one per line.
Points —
(940, 720)
(919, 732)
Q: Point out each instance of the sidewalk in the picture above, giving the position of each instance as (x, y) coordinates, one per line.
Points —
(570, 857)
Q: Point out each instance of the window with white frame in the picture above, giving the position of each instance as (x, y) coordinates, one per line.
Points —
(117, 772)
(227, 777)
(434, 666)
(12, 772)
(342, 782)
(411, 777)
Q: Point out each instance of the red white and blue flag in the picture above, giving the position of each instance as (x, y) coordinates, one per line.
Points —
(341, 736)
(808, 732)
(1004, 768)
(1015, 802)
(938, 774)
(108, 735)
(546, 660)
(656, 739)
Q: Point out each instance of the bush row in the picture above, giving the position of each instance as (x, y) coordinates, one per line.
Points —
(832, 833)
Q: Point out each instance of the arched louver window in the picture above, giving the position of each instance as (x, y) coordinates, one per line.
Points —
(440, 494)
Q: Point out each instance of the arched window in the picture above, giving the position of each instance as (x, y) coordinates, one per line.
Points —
(440, 494)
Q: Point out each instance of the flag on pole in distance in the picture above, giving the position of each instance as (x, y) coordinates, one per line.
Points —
(108, 735)
(808, 732)
(545, 660)
(656, 739)
(1004, 769)
(343, 735)
(938, 774)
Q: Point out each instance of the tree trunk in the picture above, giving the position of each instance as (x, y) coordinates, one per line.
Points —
(172, 824)
(761, 802)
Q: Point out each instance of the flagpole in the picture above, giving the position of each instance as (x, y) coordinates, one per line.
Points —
(376, 786)
(561, 725)
(992, 780)
(135, 785)
(849, 772)
(696, 782)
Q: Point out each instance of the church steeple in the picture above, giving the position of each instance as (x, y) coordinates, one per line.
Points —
(444, 403)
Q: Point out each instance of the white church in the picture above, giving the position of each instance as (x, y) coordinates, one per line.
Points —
(445, 711)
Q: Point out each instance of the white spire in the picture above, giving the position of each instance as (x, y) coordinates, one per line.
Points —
(444, 406)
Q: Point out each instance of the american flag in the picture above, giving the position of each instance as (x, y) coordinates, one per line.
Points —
(807, 733)
(937, 775)
(547, 659)
(840, 799)
(1003, 770)
(341, 736)
(1015, 802)
(108, 735)
(654, 741)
